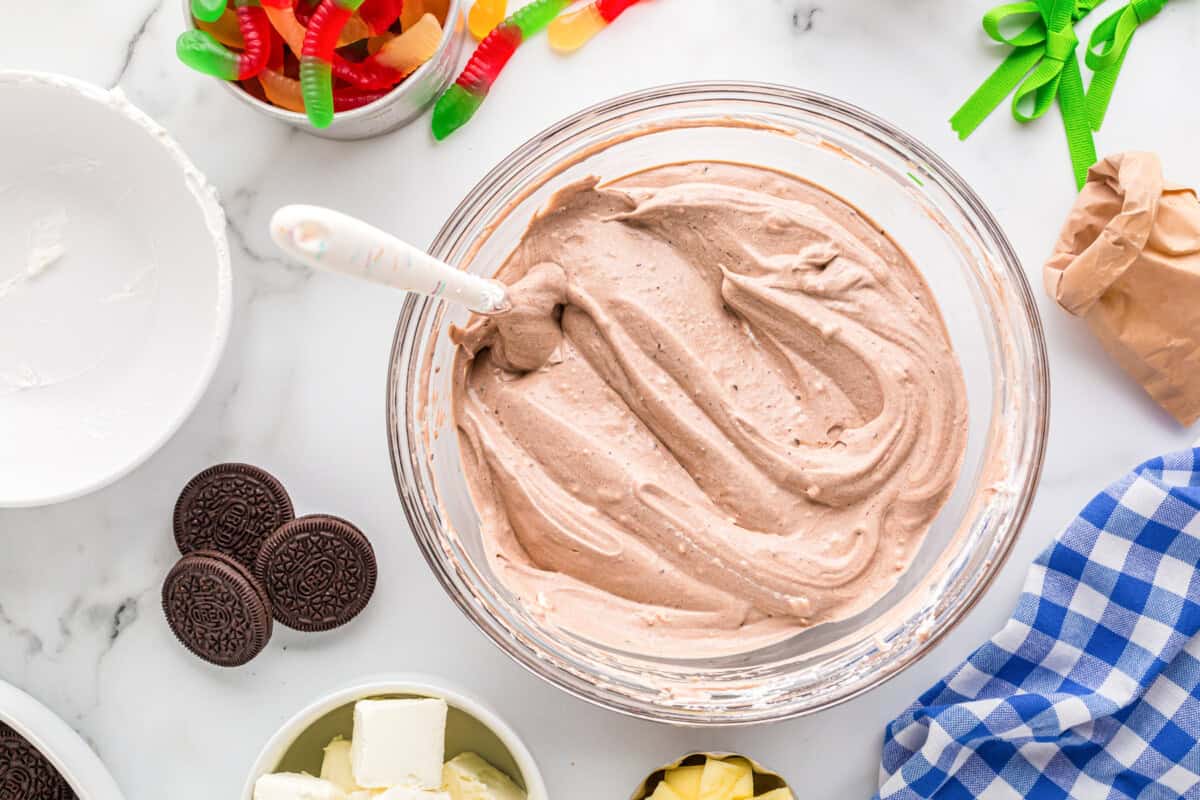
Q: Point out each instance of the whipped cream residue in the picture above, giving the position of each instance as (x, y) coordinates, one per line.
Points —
(46, 247)
(33, 362)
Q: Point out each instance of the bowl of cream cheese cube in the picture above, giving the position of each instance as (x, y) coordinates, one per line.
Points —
(395, 738)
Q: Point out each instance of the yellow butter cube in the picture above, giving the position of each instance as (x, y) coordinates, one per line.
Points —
(744, 788)
(664, 792)
(685, 781)
(719, 780)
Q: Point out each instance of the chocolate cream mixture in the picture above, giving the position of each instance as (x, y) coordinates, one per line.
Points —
(723, 409)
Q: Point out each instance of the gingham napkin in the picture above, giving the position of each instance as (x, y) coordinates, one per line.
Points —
(1092, 689)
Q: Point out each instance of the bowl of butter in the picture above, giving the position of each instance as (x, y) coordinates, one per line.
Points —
(399, 738)
(713, 776)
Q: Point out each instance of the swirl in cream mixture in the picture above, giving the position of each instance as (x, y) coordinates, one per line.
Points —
(723, 409)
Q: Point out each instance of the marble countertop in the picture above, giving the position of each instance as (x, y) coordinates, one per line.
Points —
(301, 386)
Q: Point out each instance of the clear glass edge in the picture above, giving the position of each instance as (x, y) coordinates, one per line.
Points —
(1027, 450)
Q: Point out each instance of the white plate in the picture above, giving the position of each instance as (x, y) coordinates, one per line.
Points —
(54, 739)
(115, 287)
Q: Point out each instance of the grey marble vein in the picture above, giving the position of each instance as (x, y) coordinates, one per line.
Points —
(33, 642)
(238, 238)
(134, 41)
(804, 17)
(289, 277)
(122, 618)
(113, 621)
(65, 632)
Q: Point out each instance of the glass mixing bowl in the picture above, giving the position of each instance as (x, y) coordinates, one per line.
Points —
(989, 312)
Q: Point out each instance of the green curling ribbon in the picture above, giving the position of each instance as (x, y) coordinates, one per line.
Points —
(1041, 67)
(1106, 53)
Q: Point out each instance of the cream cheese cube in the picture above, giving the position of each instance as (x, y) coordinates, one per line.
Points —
(411, 793)
(398, 743)
(336, 768)
(295, 786)
(469, 777)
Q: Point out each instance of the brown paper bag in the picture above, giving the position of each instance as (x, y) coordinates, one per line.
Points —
(1128, 262)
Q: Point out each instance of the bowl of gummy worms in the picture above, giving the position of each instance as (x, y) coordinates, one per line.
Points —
(342, 69)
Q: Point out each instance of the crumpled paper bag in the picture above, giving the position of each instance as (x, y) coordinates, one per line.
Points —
(1128, 262)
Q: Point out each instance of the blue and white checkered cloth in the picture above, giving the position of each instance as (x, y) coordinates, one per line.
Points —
(1092, 689)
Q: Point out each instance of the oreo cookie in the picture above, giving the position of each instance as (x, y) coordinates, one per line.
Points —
(232, 509)
(319, 572)
(26, 774)
(217, 609)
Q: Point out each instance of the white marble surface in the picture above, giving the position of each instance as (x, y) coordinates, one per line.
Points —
(301, 387)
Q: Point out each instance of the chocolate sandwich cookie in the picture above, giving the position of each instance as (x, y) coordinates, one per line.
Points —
(217, 609)
(230, 508)
(319, 572)
(26, 774)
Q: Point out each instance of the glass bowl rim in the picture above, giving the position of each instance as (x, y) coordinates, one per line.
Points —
(797, 100)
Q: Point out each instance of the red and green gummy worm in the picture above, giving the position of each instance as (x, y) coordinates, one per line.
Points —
(316, 63)
(463, 98)
(200, 51)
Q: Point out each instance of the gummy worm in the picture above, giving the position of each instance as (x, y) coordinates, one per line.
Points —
(413, 10)
(380, 14)
(287, 22)
(573, 30)
(376, 43)
(285, 92)
(305, 9)
(225, 30)
(402, 54)
(460, 102)
(356, 28)
(275, 58)
(316, 60)
(369, 74)
(208, 10)
(284, 19)
(396, 58)
(203, 53)
(410, 49)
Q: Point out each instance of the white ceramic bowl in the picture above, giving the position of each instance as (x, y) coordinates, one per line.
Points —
(115, 287)
(64, 748)
(471, 727)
